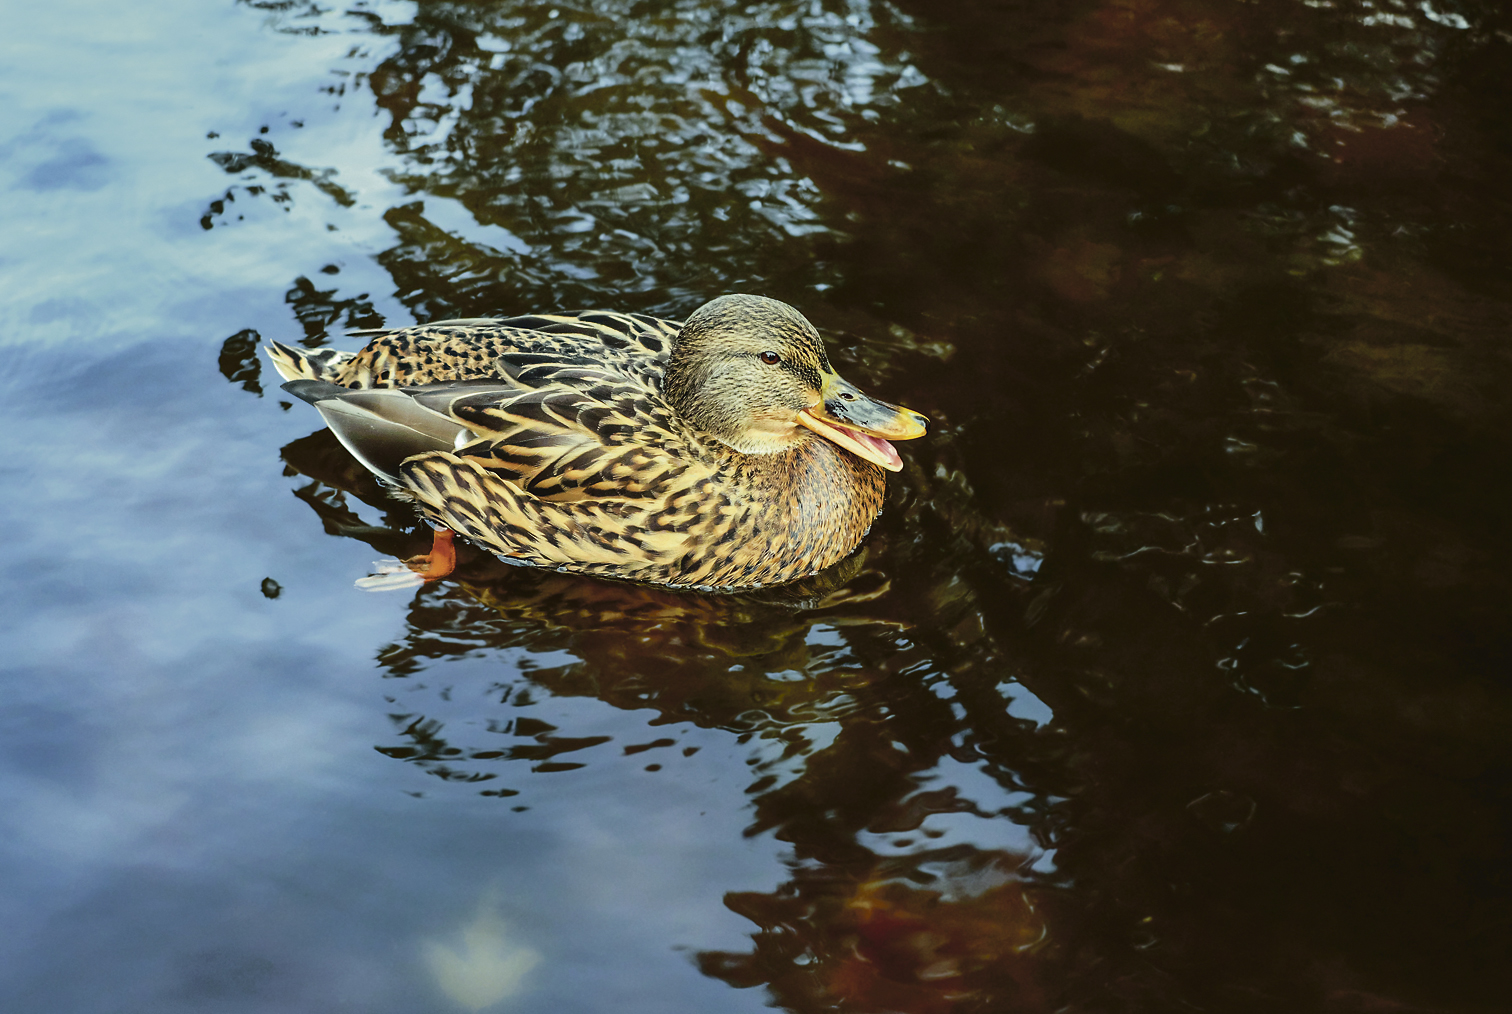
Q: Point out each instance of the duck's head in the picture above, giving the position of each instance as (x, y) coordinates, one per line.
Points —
(752, 372)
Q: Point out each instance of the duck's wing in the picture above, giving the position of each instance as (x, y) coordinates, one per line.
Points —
(556, 464)
(382, 427)
(467, 348)
(634, 334)
(558, 427)
(568, 428)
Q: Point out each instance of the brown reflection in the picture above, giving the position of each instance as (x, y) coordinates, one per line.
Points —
(751, 664)
(747, 663)
(940, 930)
(937, 933)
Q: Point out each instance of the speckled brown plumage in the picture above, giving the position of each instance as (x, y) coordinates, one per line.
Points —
(568, 454)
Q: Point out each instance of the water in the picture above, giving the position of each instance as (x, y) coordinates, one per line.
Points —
(1174, 674)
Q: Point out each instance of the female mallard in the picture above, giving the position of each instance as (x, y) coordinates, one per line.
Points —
(723, 453)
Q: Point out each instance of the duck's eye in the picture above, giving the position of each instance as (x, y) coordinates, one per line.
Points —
(771, 358)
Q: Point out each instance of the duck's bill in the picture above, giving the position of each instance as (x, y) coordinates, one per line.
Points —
(862, 425)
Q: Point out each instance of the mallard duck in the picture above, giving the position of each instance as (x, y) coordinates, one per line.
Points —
(721, 453)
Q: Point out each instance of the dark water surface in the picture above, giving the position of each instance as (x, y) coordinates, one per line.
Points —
(1176, 675)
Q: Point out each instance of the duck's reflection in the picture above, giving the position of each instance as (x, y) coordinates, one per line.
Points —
(849, 706)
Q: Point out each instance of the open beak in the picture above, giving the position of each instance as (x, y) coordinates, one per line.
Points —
(860, 424)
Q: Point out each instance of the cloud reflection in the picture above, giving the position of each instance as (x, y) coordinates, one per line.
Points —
(484, 966)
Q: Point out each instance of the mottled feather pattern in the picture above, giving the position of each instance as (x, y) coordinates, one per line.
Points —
(627, 344)
(308, 364)
(580, 464)
(698, 534)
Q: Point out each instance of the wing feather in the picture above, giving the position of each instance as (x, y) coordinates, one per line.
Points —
(565, 427)
(568, 455)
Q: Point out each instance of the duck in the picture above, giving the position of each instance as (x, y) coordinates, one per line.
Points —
(721, 453)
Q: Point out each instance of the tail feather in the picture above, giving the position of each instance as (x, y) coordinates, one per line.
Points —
(308, 364)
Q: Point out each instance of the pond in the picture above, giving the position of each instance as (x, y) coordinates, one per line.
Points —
(1175, 674)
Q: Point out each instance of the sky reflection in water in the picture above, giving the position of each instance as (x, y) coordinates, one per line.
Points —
(1173, 674)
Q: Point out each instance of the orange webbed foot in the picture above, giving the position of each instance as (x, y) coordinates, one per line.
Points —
(440, 561)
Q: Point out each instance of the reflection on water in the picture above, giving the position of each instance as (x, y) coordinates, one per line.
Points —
(774, 665)
(1210, 303)
(1174, 673)
(943, 930)
(487, 963)
(606, 149)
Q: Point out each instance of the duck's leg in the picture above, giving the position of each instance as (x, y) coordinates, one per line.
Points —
(440, 561)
